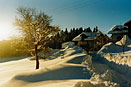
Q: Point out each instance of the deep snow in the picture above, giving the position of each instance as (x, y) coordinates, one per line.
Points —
(109, 67)
(64, 68)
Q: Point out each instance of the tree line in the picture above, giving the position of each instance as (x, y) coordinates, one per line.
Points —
(67, 35)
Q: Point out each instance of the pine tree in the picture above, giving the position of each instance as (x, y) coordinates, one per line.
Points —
(95, 29)
(87, 29)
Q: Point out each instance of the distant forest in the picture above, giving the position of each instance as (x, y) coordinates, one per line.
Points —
(65, 36)
(12, 48)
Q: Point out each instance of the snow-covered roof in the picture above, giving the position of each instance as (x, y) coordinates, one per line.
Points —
(117, 29)
(90, 36)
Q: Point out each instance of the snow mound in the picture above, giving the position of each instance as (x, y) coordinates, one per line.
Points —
(102, 84)
(119, 53)
(111, 48)
(123, 45)
(110, 66)
(115, 60)
(68, 51)
(64, 45)
(125, 41)
(105, 73)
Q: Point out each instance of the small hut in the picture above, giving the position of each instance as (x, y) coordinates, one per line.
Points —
(118, 31)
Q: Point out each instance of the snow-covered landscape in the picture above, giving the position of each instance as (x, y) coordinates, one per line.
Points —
(65, 43)
(72, 67)
(65, 69)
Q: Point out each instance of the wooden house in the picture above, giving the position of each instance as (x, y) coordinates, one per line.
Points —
(91, 41)
(118, 31)
(85, 40)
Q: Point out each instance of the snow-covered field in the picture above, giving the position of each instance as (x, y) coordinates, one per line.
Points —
(63, 71)
(72, 67)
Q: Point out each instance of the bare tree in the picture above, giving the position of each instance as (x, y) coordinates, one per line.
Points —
(35, 28)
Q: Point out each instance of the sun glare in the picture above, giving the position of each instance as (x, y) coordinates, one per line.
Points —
(6, 30)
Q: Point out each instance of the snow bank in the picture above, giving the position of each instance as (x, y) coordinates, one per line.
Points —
(123, 45)
(105, 73)
(125, 41)
(120, 53)
(110, 67)
(68, 51)
(118, 57)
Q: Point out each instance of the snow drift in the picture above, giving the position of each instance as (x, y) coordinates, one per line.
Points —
(110, 67)
(66, 44)
(120, 52)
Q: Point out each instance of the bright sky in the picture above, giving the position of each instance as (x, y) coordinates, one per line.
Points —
(68, 13)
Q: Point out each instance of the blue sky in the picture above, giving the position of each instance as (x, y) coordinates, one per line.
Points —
(68, 13)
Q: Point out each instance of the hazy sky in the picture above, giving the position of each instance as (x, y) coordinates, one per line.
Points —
(68, 13)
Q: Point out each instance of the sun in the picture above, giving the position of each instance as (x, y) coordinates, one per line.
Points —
(6, 30)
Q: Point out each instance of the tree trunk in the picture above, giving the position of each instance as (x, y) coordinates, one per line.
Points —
(37, 58)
